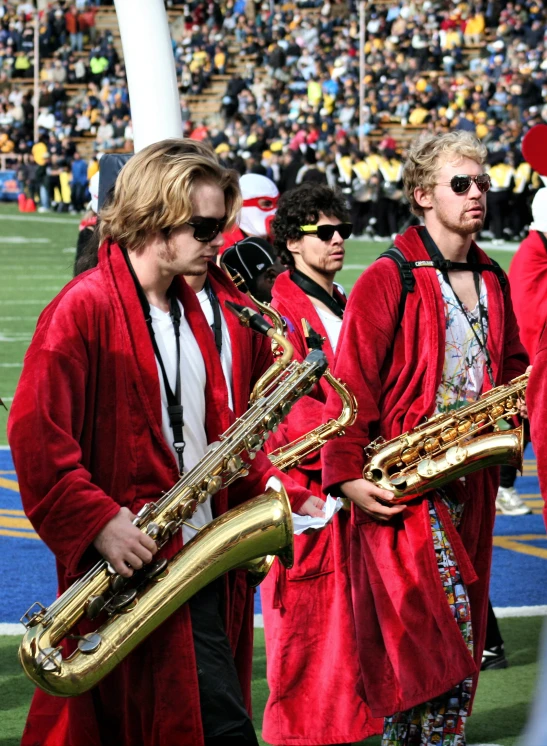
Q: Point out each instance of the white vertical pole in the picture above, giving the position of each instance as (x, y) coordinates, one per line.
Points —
(36, 72)
(150, 67)
(361, 73)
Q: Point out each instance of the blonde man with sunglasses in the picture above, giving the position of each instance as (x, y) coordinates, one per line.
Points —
(310, 645)
(427, 329)
(124, 386)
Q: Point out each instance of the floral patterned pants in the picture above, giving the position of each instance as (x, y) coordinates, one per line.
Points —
(440, 722)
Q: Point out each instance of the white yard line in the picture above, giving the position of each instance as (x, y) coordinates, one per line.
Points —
(41, 219)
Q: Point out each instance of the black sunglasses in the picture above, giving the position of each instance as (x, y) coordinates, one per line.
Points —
(207, 229)
(461, 183)
(326, 232)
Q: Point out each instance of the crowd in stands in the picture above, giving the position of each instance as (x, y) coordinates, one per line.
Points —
(292, 111)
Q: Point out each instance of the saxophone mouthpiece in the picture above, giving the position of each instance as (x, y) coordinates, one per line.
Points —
(250, 318)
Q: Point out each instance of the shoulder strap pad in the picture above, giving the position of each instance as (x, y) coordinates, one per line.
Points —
(407, 278)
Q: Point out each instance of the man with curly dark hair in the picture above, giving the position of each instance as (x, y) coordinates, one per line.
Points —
(310, 226)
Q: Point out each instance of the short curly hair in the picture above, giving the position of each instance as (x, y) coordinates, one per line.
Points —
(429, 152)
(302, 206)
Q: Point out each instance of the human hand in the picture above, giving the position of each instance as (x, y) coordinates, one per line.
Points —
(371, 499)
(123, 545)
(313, 507)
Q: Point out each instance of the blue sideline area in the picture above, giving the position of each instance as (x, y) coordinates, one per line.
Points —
(28, 567)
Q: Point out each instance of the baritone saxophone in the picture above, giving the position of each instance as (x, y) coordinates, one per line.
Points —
(450, 445)
(123, 612)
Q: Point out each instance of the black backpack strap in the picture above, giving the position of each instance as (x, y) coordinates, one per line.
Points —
(408, 282)
(407, 268)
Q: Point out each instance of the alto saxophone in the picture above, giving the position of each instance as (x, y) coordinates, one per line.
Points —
(134, 608)
(450, 445)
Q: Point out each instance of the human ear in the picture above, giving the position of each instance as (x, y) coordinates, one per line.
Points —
(293, 245)
(422, 197)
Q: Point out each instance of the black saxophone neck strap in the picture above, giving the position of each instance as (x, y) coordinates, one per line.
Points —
(216, 326)
(335, 303)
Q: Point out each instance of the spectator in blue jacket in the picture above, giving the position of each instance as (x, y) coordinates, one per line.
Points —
(79, 182)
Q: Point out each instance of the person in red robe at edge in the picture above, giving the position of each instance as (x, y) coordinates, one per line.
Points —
(420, 570)
(308, 626)
(92, 442)
(528, 275)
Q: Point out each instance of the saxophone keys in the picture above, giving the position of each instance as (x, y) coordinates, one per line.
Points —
(456, 455)
(234, 464)
(90, 643)
(431, 445)
(187, 508)
(497, 412)
(155, 569)
(449, 434)
(153, 530)
(213, 485)
(427, 468)
(123, 600)
(464, 427)
(94, 606)
(49, 659)
(168, 530)
(252, 444)
(410, 455)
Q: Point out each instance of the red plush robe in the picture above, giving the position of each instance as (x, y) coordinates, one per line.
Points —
(528, 275)
(308, 622)
(85, 430)
(536, 399)
(410, 646)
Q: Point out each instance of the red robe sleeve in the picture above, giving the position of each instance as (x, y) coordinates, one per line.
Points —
(515, 357)
(528, 274)
(536, 399)
(46, 420)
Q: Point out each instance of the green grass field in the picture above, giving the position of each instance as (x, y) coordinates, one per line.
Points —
(36, 258)
(500, 711)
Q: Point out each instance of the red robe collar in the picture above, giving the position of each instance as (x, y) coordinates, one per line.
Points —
(218, 417)
(427, 284)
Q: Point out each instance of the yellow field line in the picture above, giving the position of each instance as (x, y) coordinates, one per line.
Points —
(19, 534)
(9, 484)
(516, 544)
(15, 523)
(5, 511)
(7, 471)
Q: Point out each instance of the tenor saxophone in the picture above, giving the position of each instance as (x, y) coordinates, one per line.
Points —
(134, 608)
(450, 445)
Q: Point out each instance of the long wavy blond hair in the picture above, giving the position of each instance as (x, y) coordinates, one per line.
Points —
(430, 152)
(154, 191)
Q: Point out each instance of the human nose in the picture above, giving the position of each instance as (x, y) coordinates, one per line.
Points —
(474, 190)
(218, 241)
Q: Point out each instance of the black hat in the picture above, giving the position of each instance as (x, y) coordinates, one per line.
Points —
(250, 257)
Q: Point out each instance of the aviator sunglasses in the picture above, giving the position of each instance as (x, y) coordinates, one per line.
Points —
(207, 229)
(326, 232)
(461, 183)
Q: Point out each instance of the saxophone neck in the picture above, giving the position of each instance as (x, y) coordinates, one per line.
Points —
(349, 402)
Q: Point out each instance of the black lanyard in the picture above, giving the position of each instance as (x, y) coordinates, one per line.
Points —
(434, 252)
(216, 326)
(174, 400)
(333, 302)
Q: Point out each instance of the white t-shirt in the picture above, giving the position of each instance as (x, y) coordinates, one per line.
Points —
(193, 381)
(332, 325)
